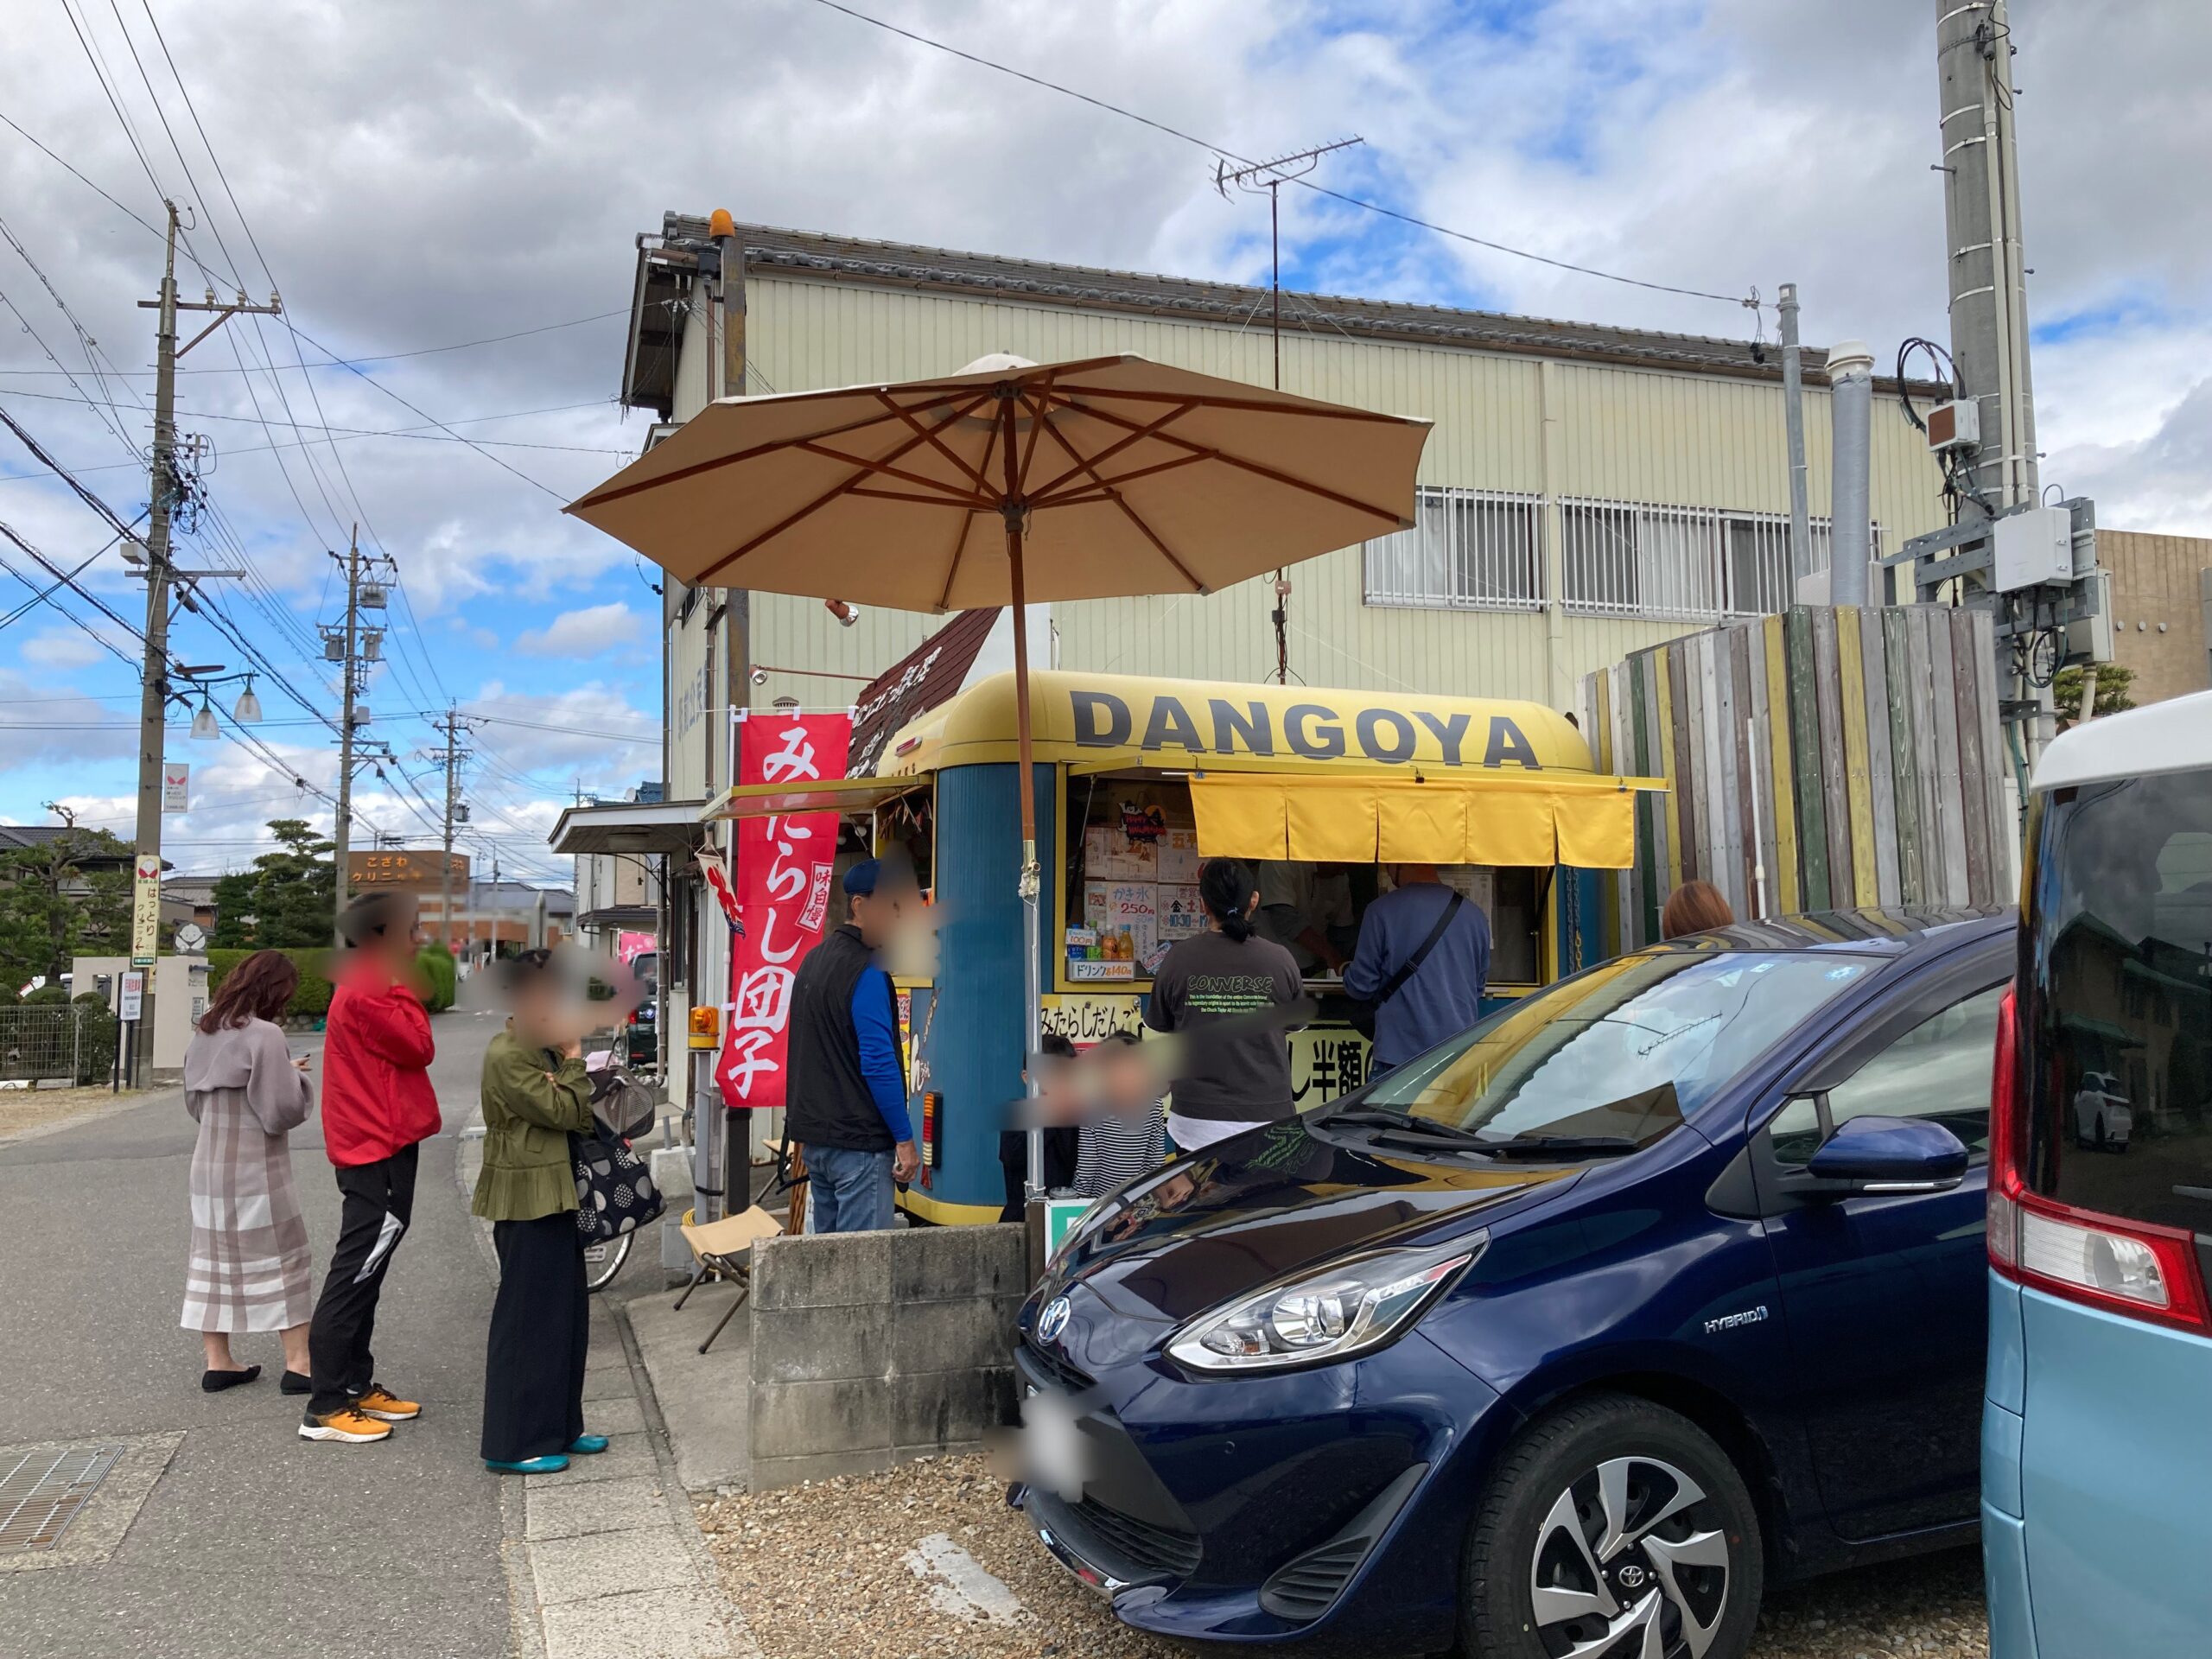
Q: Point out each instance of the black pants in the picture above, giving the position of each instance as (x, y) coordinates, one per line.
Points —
(541, 1322)
(377, 1201)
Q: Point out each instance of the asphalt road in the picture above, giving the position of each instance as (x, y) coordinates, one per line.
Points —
(252, 1541)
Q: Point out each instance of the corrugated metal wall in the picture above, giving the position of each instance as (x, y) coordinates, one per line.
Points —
(1615, 434)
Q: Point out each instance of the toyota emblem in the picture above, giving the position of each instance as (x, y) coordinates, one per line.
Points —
(1053, 1319)
(1632, 1576)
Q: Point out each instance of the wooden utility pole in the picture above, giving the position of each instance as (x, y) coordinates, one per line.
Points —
(154, 687)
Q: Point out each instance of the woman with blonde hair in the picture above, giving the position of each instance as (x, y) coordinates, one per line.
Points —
(1693, 908)
(249, 1268)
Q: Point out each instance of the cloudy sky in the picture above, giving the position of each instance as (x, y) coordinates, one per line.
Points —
(418, 176)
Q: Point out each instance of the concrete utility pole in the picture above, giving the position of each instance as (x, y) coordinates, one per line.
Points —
(1988, 281)
(342, 834)
(453, 727)
(1793, 415)
(154, 687)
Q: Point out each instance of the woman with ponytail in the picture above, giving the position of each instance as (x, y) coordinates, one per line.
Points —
(1219, 989)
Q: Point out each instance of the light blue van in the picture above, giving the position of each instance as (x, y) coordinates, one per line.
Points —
(2097, 1461)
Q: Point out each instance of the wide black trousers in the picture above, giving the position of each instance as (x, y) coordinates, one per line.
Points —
(541, 1324)
(376, 1201)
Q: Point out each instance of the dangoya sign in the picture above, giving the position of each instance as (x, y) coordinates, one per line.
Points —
(1176, 720)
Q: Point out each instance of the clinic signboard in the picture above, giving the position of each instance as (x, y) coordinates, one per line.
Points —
(401, 869)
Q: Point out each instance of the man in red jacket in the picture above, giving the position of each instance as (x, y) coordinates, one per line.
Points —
(378, 1107)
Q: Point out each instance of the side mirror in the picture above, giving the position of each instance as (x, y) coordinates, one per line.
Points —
(1886, 1155)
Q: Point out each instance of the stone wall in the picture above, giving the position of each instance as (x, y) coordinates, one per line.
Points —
(869, 1348)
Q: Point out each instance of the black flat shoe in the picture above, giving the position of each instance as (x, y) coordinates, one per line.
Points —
(216, 1381)
(297, 1382)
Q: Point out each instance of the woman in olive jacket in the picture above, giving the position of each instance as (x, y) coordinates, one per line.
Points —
(536, 1095)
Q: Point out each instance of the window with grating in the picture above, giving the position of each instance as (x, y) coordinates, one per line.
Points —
(1469, 550)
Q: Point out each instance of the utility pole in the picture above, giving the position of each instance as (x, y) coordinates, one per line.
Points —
(452, 726)
(342, 834)
(1792, 416)
(1271, 176)
(154, 689)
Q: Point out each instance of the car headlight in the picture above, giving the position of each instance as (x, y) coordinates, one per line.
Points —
(1349, 1308)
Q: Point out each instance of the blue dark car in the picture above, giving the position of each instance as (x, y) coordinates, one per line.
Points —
(1565, 1339)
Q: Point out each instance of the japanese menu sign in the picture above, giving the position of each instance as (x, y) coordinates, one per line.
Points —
(783, 869)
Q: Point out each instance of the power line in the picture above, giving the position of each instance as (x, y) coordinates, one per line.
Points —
(1319, 189)
(373, 357)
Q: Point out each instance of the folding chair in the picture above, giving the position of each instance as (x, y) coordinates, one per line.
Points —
(716, 1247)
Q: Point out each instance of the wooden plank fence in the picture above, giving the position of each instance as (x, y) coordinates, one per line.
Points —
(1823, 759)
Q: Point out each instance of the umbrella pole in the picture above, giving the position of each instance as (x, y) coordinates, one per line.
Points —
(1031, 882)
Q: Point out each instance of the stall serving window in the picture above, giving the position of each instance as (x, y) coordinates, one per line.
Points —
(1131, 891)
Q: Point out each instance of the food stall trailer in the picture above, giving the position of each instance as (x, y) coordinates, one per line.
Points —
(1136, 781)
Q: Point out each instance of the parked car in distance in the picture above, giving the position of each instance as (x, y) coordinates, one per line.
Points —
(1566, 1338)
(2097, 1463)
(2101, 1116)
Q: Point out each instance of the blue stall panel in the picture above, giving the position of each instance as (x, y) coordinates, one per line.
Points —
(975, 1037)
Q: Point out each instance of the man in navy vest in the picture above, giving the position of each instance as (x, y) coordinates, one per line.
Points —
(847, 1094)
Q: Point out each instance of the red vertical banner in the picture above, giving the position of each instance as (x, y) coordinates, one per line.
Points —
(784, 869)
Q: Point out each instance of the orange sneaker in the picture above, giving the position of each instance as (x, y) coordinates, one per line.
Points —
(386, 1406)
(349, 1427)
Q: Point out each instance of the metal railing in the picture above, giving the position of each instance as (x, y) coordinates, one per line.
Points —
(56, 1041)
(1623, 559)
(1469, 550)
(1482, 549)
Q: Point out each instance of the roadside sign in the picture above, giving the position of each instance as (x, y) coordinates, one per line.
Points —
(134, 996)
(145, 909)
(176, 786)
(403, 868)
(191, 939)
(1060, 1218)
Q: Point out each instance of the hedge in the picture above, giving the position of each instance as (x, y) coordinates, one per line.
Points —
(311, 999)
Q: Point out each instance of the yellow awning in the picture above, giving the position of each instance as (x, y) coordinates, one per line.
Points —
(1522, 818)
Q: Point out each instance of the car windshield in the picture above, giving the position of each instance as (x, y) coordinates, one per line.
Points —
(1622, 1053)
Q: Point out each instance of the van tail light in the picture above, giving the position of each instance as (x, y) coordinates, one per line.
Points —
(2124, 1267)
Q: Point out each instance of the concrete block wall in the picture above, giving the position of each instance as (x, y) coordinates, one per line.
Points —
(871, 1349)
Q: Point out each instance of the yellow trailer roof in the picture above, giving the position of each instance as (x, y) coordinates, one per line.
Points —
(1109, 722)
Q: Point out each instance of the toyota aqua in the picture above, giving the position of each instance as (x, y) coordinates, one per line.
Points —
(1566, 1339)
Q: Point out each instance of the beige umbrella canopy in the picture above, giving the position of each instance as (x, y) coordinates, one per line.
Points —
(1123, 477)
(1012, 483)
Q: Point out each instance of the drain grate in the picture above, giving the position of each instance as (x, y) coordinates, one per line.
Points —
(41, 1495)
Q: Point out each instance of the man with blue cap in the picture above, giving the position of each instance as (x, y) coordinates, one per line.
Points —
(846, 1101)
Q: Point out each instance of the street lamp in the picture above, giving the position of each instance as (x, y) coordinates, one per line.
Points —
(203, 728)
(247, 710)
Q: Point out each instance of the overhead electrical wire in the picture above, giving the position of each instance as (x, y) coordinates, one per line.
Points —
(1245, 161)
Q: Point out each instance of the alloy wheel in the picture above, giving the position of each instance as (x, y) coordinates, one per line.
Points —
(1631, 1563)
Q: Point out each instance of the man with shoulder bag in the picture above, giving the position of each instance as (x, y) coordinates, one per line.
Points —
(1420, 966)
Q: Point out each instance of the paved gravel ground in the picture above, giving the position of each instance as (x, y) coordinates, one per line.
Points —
(823, 1573)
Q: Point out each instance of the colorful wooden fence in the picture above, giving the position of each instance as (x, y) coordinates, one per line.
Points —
(1817, 759)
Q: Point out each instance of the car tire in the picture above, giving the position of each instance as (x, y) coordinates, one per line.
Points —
(1567, 1512)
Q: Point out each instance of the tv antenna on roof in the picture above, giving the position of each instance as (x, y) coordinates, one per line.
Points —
(1252, 178)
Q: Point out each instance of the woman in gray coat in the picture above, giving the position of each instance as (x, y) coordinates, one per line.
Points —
(249, 1268)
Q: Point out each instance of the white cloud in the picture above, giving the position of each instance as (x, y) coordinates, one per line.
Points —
(584, 634)
(68, 648)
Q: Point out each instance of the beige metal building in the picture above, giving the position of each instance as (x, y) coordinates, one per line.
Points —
(1587, 489)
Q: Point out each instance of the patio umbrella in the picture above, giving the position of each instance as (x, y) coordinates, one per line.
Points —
(1012, 483)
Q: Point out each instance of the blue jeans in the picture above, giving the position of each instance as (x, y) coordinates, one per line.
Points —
(852, 1190)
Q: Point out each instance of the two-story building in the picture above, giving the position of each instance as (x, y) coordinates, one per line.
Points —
(1587, 489)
